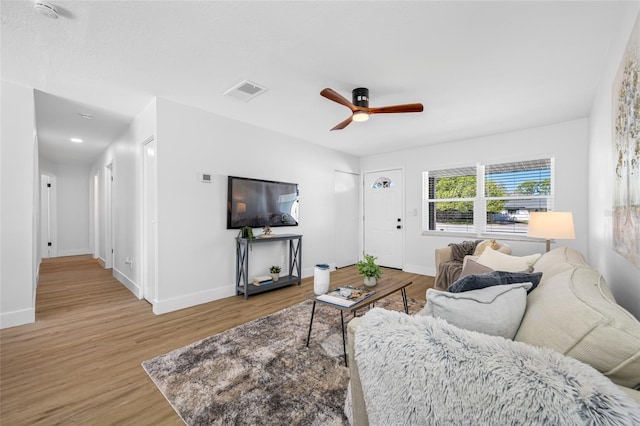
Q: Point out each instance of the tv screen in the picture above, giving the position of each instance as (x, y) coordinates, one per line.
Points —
(259, 203)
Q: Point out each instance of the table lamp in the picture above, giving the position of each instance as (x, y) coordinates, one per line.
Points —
(549, 225)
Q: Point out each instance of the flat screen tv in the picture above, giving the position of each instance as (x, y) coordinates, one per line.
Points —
(259, 203)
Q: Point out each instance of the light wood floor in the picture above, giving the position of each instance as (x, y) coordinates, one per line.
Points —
(79, 363)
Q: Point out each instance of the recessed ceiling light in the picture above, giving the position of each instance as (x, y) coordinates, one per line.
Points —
(45, 9)
(76, 140)
(85, 115)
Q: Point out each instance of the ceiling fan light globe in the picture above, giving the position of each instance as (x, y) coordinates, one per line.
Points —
(360, 116)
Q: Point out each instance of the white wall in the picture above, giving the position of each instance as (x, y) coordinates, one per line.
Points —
(621, 275)
(18, 212)
(196, 257)
(125, 155)
(72, 218)
(566, 142)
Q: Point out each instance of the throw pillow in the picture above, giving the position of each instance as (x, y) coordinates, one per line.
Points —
(480, 248)
(495, 310)
(504, 262)
(478, 281)
(471, 267)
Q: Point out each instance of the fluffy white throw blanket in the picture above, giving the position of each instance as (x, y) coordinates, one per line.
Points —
(422, 371)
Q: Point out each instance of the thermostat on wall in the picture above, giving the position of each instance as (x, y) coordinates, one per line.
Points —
(205, 177)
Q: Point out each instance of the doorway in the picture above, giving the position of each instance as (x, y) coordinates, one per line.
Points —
(346, 198)
(96, 216)
(109, 231)
(383, 194)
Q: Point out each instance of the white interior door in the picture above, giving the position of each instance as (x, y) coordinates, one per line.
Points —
(150, 222)
(346, 200)
(383, 217)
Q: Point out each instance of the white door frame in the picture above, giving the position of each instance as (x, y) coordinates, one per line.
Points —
(109, 223)
(95, 208)
(347, 218)
(149, 288)
(48, 216)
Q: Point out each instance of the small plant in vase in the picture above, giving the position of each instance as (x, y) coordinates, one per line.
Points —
(246, 232)
(275, 272)
(369, 269)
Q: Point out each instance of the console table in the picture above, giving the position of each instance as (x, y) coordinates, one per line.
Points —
(245, 286)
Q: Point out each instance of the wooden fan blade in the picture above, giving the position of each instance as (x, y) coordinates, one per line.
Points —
(337, 97)
(344, 124)
(397, 108)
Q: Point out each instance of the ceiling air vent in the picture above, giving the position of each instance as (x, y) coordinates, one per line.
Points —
(245, 90)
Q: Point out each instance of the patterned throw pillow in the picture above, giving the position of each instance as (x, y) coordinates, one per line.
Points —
(475, 282)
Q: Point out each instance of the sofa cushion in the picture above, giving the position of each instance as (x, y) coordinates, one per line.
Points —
(495, 310)
(573, 312)
(478, 281)
(422, 371)
(472, 267)
(504, 262)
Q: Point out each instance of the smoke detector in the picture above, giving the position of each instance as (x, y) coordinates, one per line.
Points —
(245, 90)
(46, 9)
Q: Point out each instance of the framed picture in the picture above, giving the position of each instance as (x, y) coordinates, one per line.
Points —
(626, 150)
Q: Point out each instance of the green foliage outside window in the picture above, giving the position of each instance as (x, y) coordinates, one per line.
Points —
(532, 187)
(465, 187)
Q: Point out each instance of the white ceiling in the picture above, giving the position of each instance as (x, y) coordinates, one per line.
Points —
(478, 67)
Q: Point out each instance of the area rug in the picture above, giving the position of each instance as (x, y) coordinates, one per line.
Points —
(262, 373)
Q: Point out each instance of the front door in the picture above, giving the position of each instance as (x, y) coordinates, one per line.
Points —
(383, 217)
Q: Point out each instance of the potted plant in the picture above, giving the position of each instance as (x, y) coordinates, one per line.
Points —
(369, 269)
(246, 232)
(275, 272)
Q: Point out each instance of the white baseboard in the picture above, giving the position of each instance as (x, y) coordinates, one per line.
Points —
(128, 283)
(420, 269)
(310, 272)
(73, 252)
(15, 318)
(193, 299)
(102, 262)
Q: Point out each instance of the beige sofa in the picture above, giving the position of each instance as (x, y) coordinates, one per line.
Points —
(571, 311)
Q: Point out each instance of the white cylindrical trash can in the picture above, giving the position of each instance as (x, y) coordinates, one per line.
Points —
(321, 279)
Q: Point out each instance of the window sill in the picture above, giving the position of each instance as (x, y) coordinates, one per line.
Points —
(469, 235)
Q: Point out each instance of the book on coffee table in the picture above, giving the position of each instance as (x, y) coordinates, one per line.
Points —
(346, 296)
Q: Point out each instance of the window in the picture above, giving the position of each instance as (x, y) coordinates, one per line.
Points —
(382, 182)
(487, 198)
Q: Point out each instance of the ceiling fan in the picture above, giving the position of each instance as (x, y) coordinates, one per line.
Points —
(360, 106)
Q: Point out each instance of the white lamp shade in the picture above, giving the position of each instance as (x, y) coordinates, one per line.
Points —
(551, 225)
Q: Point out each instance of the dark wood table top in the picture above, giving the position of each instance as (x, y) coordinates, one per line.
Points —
(384, 287)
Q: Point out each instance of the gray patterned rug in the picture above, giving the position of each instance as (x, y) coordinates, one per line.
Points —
(262, 373)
